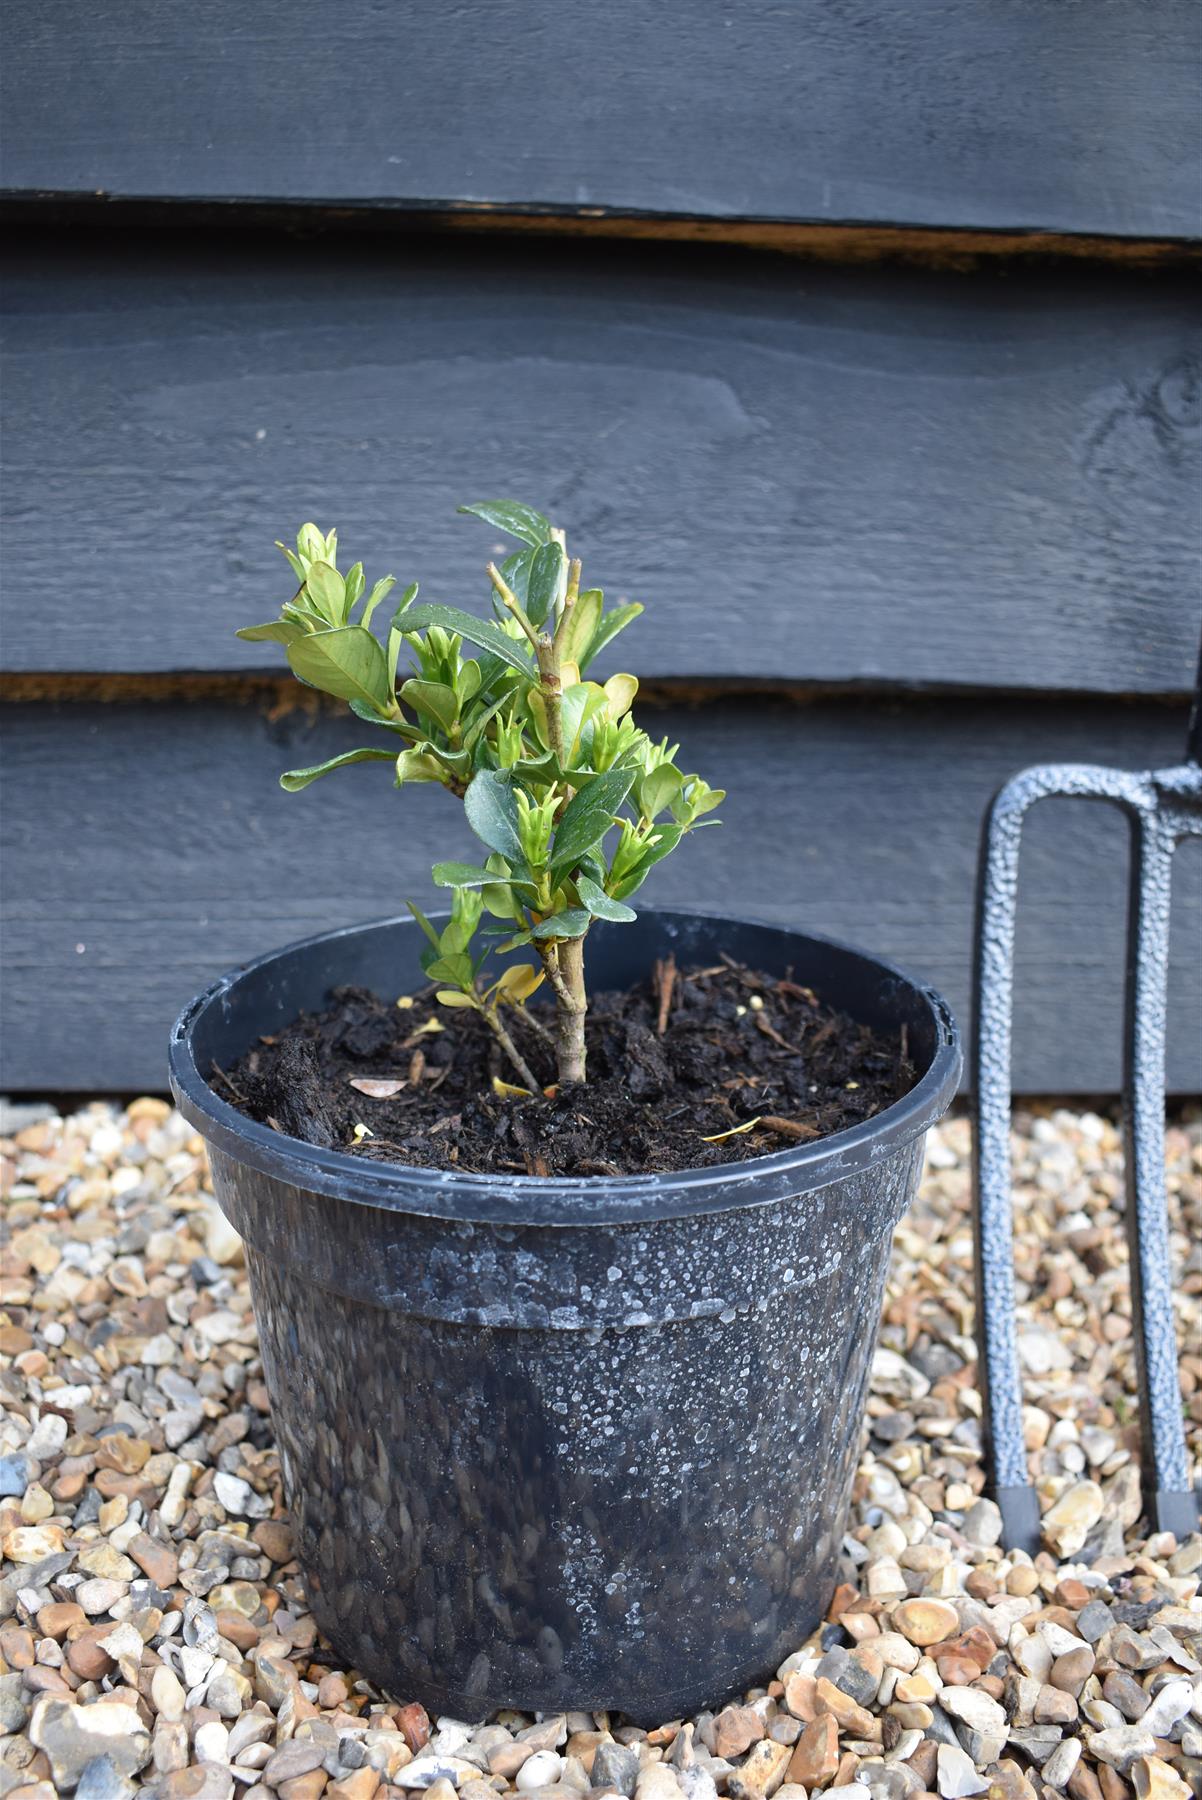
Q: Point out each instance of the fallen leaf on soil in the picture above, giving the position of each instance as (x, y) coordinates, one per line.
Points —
(376, 1090)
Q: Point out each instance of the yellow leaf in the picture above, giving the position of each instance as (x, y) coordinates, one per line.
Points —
(362, 1132)
(518, 983)
(452, 997)
(405, 1002)
(735, 1131)
(505, 1090)
(620, 691)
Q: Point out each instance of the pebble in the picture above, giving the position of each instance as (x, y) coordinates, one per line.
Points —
(957, 1777)
(73, 1736)
(162, 1566)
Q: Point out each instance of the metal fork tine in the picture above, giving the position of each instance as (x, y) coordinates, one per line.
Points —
(1163, 807)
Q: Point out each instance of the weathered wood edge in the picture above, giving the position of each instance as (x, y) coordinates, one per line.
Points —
(851, 242)
(280, 694)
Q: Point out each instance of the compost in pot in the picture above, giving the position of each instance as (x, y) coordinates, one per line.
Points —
(696, 1067)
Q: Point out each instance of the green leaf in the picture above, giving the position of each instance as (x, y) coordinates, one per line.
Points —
(582, 625)
(480, 723)
(296, 779)
(669, 837)
(588, 816)
(433, 698)
(327, 590)
(512, 517)
(492, 813)
(425, 924)
(546, 572)
(607, 630)
(298, 567)
(456, 967)
(370, 716)
(459, 875)
(573, 922)
(379, 592)
(481, 632)
(354, 586)
(599, 903)
(348, 663)
(276, 631)
(515, 573)
(658, 789)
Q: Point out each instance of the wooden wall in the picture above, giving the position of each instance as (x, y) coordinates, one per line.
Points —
(860, 343)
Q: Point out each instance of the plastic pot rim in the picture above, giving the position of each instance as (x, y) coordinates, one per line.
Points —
(559, 1200)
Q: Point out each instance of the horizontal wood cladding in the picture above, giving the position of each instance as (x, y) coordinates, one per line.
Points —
(809, 474)
(147, 848)
(1028, 116)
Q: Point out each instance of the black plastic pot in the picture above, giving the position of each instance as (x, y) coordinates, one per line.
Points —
(555, 1443)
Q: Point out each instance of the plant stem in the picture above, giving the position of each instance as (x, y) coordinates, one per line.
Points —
(529, 1080)
(571, 1011)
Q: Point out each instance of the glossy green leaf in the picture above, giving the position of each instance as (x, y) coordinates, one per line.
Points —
(599, 903)
(546, 574)
(482, 632)
(588, 816)
(276, 631)
(512, 517)
(370, 716)
(296, 779)
(658, 789)
(492, 813)
(465, 875)
(433, 699)
(355, 585)
(327, 590)
(608, 629)
(348, 663)
(669, 836)
(456, 967)
(573, 922)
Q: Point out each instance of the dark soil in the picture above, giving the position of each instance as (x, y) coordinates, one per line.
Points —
(676, 1066)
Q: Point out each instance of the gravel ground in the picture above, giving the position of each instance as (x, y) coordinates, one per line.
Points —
(153, 1629)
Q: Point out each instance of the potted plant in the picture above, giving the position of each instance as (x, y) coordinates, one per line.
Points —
(567, 1386)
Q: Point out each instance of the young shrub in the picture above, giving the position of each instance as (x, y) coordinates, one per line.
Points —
(573, 803)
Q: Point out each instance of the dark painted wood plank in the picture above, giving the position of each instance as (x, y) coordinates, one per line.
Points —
(1078, 119)
(148, 848)
(808, 473)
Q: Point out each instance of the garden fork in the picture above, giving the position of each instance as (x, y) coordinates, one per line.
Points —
(1164, 806)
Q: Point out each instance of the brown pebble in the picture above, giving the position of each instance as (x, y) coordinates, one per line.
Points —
(413, 1723)
(1113, 1785)
(236, 1629)
(16, 1647)
(332, 1691)
(1083, 1783)
(1071, 1593)
(85, 1656)
(1053, 1706)
(274, 1538)
(59, 1617)
(304, 1787)
(816, 1755)
(852, 1716)
(736, 1728)
(360, 1784)
(925, 1621)
(156, 1560)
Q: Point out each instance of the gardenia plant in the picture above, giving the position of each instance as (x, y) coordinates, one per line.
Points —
(574, 803)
